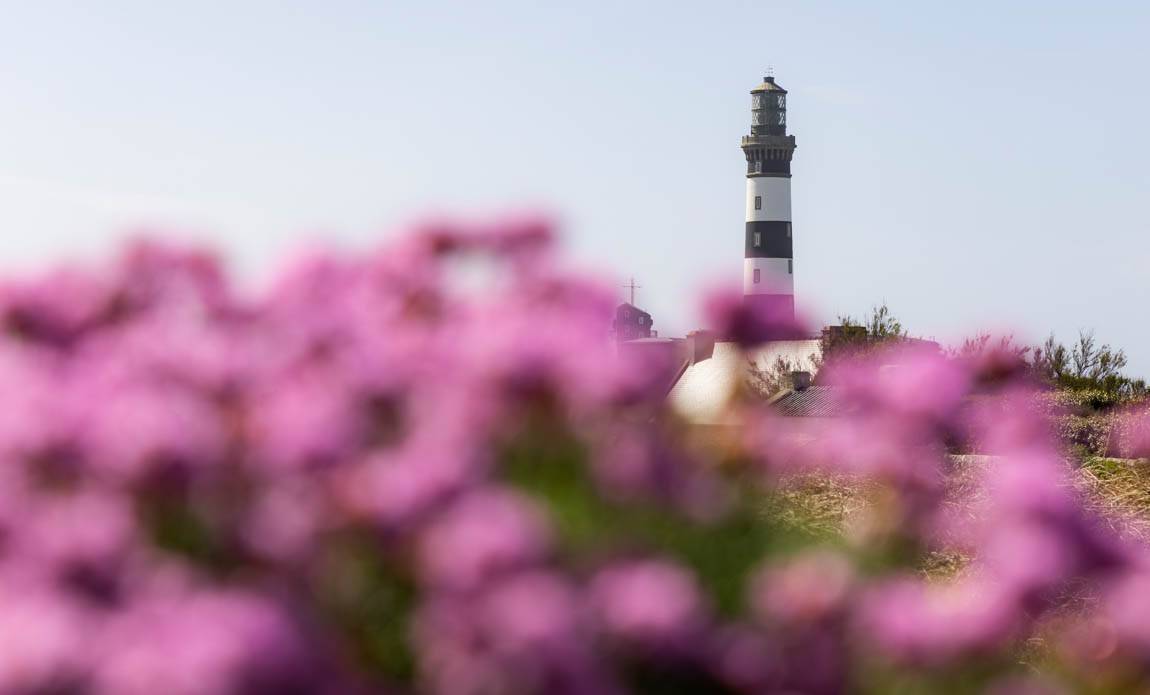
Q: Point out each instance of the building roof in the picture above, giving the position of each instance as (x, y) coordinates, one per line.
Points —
(702, 392)
(813, 401)
(629, 305)
(768, 85)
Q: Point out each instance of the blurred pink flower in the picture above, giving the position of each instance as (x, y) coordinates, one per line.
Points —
(182, 280)
(749, 324)
(483, 534)
(305, 420)
(525, 634)
(318, 488)
(1139, 442)
(808, 589)
(57, 310)
(903, 381)
(199, 643)
(145, 429)
(652, 604)
(637, 465)
(913, 622)
(746, 659)
(1127, 613)
(45, 640)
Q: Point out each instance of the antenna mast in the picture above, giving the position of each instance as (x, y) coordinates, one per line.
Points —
(632, 286)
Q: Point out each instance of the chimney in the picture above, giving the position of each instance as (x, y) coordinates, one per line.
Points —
(700, 346)
(800, 381)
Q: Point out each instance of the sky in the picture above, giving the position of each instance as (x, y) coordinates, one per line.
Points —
(976, 165)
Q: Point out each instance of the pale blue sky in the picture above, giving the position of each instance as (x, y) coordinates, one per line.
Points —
(973, 164)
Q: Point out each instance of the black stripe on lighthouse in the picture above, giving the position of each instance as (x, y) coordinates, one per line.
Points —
(769, 240)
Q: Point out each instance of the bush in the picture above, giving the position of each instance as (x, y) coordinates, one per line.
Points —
(370, 479)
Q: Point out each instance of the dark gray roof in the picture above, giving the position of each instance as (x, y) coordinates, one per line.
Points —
(626, 306)
(813, 401)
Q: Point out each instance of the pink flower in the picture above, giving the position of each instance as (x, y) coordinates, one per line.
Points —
(150, 429)
(524, 634)
(56, 311)
(530, 611)
(306, 421)
(313, 489)
(483, 534)
(81, 544)
(746, 659)
(649, 603)
(912, 622)
(284, 520)
(399, 488)
(523, 239)
(185, 280)
(45, 640)
(1127, 615)
(201, 643)
(1138, 444)
(635, 465)
(909, 382)
(809, 589)
(749, 324)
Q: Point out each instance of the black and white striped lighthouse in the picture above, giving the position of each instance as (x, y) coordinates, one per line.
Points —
(768, 265)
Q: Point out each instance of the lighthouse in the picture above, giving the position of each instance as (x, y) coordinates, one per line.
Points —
(768, 264)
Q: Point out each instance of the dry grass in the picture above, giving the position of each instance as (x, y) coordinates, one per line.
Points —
(820, 505)
(1118, 490)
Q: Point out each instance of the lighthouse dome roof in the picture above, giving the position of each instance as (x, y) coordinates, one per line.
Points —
(768, 85)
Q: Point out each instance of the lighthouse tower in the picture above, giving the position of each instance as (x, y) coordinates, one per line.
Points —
(768, 265)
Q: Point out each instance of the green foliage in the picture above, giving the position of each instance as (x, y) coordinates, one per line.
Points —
(769, 381)
(1087, 375)
(1088, 435)
(882, 326)
(370, 601)
(854, 336)
(550, 464)
(984, 342)
(1088, 368)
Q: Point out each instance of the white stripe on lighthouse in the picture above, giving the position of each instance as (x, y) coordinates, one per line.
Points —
(774, 194)
(775, 276)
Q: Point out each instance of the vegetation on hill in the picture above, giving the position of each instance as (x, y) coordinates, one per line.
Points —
(1088, 396)
(1091, 370)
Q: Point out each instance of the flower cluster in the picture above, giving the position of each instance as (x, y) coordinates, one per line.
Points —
(426, 469)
